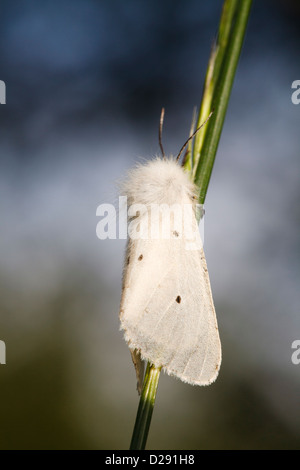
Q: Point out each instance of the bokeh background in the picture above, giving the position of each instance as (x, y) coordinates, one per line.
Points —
(86, 81)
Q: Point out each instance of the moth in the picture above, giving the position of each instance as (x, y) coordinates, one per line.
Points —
(167, 311)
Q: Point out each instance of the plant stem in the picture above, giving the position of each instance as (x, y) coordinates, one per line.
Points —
(212, 74)
(146, 405)
(221, 98)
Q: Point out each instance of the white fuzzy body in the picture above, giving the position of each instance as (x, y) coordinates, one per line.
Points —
(167, 311)
(158, 181)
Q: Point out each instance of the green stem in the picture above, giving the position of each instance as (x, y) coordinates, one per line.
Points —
(212, 74)
(221, 99)
(146, 405)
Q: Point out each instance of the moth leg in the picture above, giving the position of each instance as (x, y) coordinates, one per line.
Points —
(139, 366)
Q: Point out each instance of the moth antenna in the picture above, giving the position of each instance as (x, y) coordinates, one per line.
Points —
(161, 121)
(193, 135)
(193, 124)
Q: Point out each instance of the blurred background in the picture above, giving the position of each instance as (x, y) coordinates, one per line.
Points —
(85, 82)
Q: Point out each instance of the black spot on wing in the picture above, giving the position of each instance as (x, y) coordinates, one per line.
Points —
(140, 257)
(178, 299)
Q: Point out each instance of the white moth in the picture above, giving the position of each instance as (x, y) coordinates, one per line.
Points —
(167, 311)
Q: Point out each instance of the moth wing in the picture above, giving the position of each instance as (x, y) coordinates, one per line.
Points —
(167, 310)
